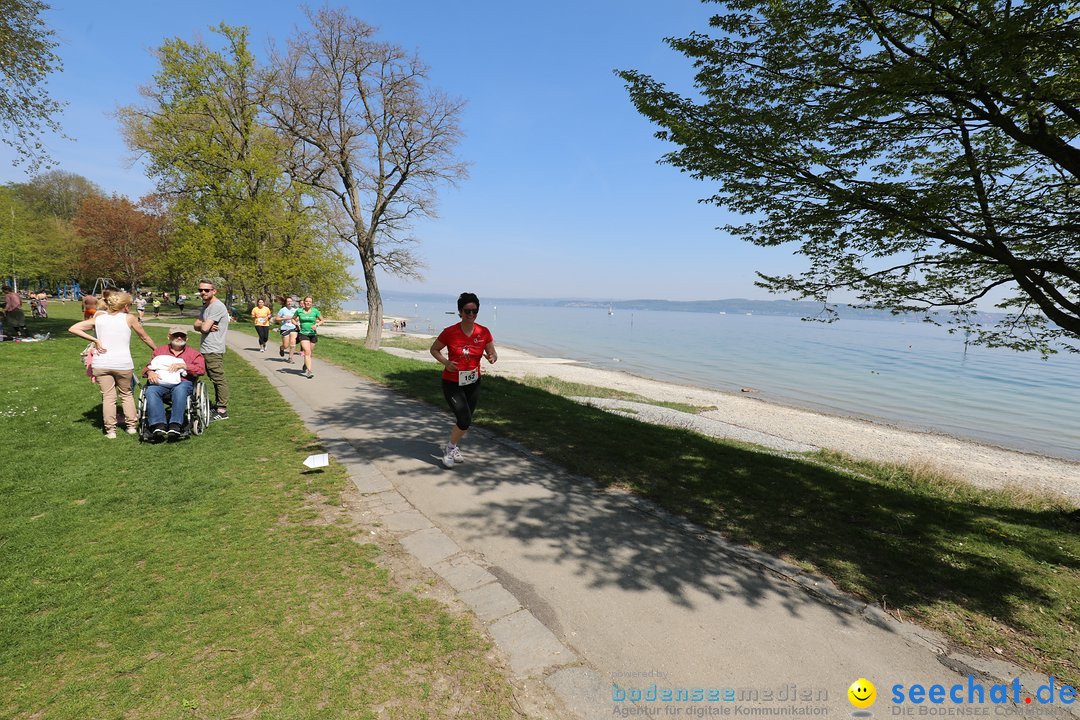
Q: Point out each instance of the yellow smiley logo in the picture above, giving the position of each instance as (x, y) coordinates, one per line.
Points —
(862, 693)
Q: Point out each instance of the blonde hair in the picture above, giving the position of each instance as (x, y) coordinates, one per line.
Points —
(118, 301)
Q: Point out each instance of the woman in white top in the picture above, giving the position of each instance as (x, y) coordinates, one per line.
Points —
(112, 364)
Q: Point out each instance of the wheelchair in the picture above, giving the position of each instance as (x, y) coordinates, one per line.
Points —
(196, 414)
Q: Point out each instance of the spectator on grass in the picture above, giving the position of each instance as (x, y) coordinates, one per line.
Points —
(213, 323)
(89, 306)
(14, 317)
(112, 365)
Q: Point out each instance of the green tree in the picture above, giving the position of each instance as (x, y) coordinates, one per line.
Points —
(59, 250)
(26, 60)
(38, 216)
(18, 260)
(922, 154)
(235, 213)
(58, 193)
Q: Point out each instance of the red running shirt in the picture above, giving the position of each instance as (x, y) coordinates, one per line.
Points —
(464, 350)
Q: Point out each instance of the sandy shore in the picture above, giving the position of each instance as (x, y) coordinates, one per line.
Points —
(982, 465)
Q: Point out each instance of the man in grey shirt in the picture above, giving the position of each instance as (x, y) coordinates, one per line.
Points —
(213, 323)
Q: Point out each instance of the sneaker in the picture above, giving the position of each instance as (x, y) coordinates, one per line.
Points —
(219, 415)
(158, 430)
(111, 434)
(132, 431)
(174, 429)
(456, 453)
(262, 349)
(448, 457)
(281, 352)
(309, 374)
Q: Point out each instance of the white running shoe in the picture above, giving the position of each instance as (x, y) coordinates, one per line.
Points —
(456, 454)
(448, 457)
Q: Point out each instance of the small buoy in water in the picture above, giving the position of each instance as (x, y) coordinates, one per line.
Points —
(615, 360)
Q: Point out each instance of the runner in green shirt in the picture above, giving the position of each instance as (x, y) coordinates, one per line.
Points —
(308, 318)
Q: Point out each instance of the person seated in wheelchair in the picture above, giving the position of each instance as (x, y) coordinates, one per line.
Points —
(173, 371)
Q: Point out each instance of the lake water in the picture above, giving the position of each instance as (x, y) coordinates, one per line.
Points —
(909, 374)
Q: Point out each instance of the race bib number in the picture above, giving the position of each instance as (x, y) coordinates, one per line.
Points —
(467, 377)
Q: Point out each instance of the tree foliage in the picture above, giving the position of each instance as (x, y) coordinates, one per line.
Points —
(370, 135)
(36, 234)
(58, 248)
(122, 239)
(58, 193)
(17, 223)
(236, 214)
(923, 154)
(26, 61)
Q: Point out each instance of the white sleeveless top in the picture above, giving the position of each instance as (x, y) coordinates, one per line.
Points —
(115, 334)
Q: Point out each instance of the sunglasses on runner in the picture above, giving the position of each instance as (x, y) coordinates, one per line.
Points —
(206, 289)
(467, 311)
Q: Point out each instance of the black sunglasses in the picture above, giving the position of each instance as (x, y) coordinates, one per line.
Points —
(466, 311)
(206, 289)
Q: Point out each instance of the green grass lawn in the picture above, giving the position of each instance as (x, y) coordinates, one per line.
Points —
(997, 572)
(408, 342)
(212, 578)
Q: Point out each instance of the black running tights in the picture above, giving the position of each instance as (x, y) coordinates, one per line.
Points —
(462, 400)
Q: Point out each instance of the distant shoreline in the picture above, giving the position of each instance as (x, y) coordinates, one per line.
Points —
(734, 306)
(981, 464)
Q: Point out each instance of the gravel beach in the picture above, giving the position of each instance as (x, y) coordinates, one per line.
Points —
(979, 464)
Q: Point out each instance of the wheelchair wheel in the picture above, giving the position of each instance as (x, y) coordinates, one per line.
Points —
(143, 426)
(200, 416)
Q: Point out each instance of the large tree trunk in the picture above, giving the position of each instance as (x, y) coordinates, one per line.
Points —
(374, 299)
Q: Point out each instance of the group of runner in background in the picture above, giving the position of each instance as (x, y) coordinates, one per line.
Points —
(298, 325)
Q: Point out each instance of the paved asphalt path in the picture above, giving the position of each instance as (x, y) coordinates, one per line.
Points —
(597, 593)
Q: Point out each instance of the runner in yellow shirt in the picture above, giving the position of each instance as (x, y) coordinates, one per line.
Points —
(261, 314)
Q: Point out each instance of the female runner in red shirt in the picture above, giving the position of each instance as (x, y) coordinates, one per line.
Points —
(464, 343)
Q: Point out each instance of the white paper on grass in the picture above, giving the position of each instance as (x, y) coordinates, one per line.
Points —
(317, 461)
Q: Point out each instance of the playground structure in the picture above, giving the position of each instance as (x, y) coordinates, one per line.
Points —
(102, 283)
(69, 290)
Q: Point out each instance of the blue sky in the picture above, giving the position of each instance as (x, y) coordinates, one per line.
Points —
(564, 198)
